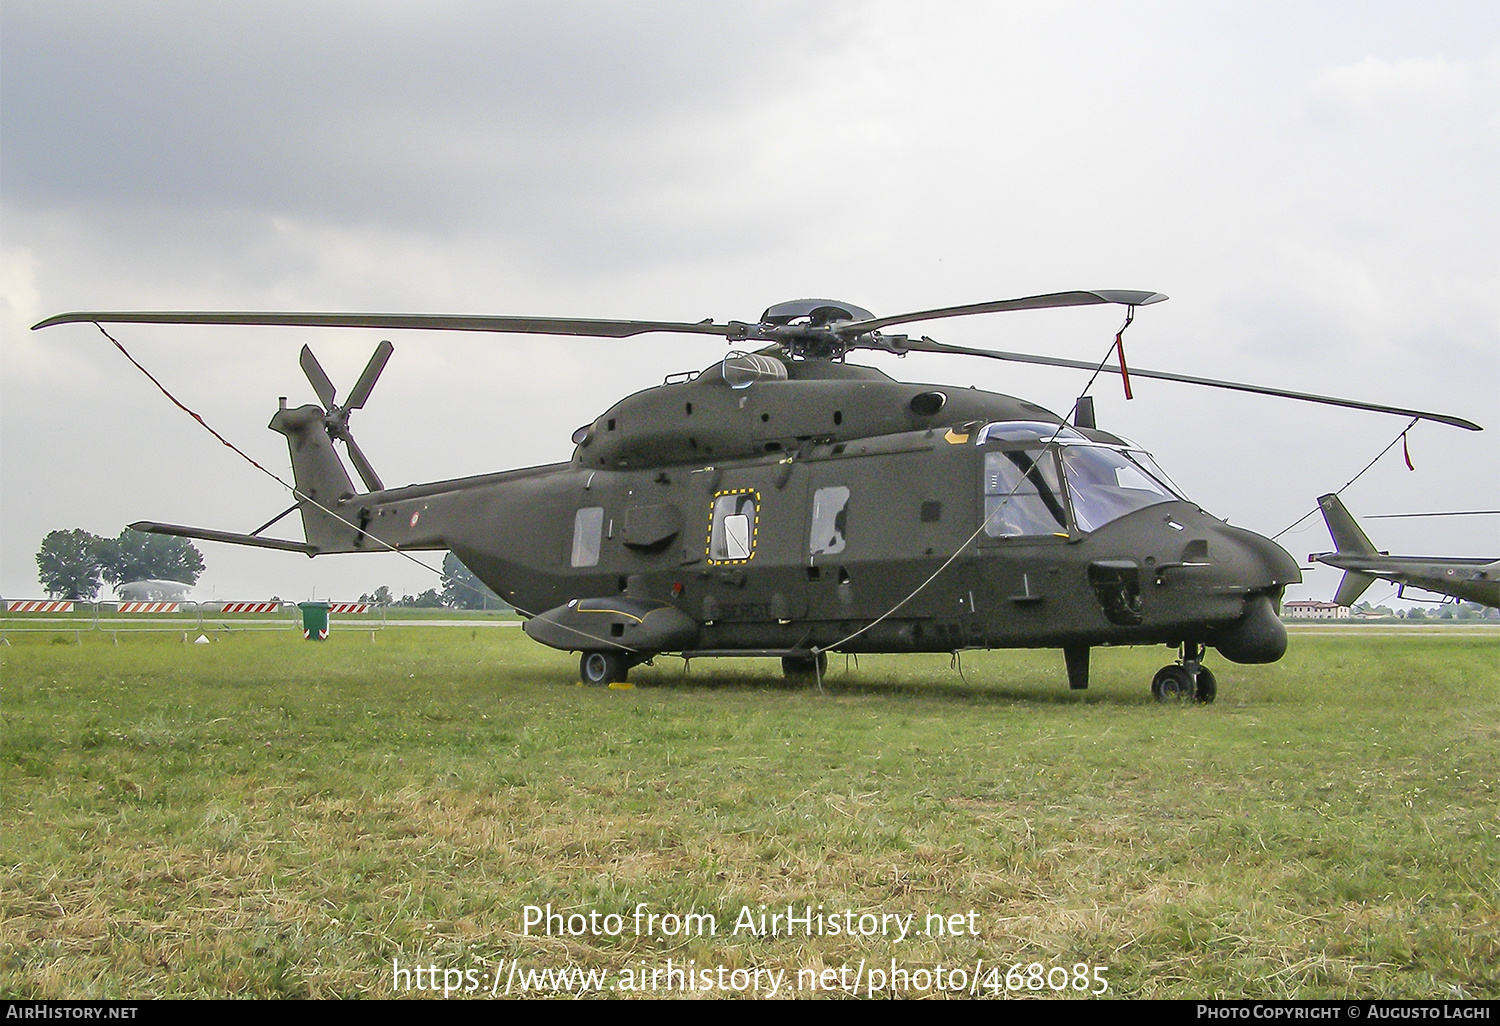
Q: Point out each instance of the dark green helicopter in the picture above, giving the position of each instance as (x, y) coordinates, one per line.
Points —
(786, 503)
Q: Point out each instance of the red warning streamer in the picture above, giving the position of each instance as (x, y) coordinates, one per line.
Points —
(1124, 371)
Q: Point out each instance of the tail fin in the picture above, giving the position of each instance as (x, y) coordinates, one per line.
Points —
(1347, 536)
(1350, 540)
(1352, 587)
(322, 482)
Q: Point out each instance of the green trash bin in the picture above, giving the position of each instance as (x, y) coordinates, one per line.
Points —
(314, 620)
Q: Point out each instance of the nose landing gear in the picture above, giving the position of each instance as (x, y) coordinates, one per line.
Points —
(1187, 679)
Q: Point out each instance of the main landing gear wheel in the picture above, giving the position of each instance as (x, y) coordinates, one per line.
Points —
(805, 668)
(603, 667)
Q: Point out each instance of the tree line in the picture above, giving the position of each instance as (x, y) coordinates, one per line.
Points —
(460, 590)
(75, 564)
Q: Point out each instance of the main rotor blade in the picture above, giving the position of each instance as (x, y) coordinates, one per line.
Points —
(927, 345)
(438, 322)
(367, 379)
(1124, 297)
(320, 382)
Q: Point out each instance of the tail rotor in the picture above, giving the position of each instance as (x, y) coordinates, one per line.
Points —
(336, 417)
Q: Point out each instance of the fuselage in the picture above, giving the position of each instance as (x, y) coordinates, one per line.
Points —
(815, 505)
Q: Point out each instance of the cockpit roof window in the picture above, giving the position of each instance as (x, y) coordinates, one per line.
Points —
(1027, 431)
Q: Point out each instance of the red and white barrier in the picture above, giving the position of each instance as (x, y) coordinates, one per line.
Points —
(148, 607)
(348, 607)
(38, 606)
(251, 607)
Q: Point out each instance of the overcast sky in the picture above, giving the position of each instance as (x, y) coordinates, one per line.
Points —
(1314, 185)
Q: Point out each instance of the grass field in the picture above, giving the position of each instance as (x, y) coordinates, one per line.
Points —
(261, 816)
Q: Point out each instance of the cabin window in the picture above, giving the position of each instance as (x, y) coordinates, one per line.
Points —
(829, 515)
(1022, 494)
(588, 534)
(734, 526)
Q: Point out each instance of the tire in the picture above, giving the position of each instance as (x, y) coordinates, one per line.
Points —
(603, 667)
(1172, 684)
(1208, 687)
(805, 669)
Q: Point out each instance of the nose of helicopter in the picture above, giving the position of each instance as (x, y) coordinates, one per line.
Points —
(1261, 570)
(1199, 579)
(1256, 561)
(1190, 552)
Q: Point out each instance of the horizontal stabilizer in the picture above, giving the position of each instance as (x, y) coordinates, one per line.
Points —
(229, 537)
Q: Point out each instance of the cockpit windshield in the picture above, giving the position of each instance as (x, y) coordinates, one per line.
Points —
(1069, 483)
(1105, 484)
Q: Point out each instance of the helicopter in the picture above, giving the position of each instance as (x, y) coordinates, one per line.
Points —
(787, 503)
(1477, 580)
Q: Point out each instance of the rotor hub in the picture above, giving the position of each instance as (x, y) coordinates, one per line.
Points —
(815, 313)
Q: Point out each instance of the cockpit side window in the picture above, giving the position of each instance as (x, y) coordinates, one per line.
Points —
(1022, 494)
(829, 521)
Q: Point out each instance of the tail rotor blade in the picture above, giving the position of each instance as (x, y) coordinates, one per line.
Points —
(371, 374)
(366, 471)
(319, 380)
(337, 421)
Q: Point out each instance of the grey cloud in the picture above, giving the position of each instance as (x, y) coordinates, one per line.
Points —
(429, 116)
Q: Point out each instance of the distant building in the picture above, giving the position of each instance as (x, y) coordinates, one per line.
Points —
(154, 591)
(1307, 610)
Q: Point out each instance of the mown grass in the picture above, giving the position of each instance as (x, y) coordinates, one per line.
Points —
(266, 817)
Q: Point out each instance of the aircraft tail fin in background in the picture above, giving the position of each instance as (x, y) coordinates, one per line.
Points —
(1348, 538)
(1352, 587)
